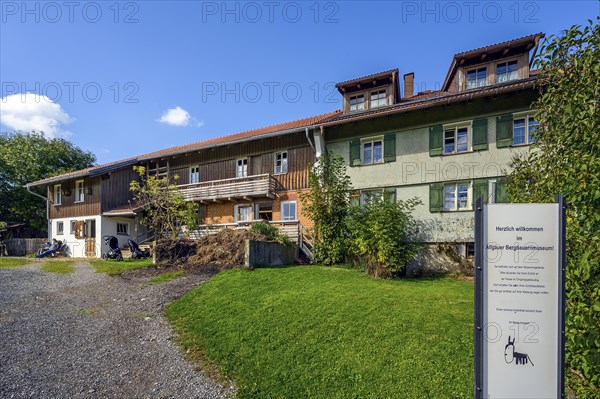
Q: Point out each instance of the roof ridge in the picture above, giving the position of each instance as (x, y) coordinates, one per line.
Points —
(192, 146)
(503, 42)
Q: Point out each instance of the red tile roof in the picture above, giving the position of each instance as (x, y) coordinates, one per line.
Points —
(217, 141)
(375, 76)
(282, 127)
(440, 99)
(499, 46)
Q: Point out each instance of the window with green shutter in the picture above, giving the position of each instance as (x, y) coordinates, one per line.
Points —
(501, 195)
(389, 147)
(504, 130)
(436, 197)
(436, 140)
(355, 152)
(480, 188)
(480, 134)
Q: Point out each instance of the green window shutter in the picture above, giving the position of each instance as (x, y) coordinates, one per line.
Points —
(501, 190)
(480, 188)
(436, 142)
(355, 152)
(389, 194)
(504, 130)
(436, 197)
(480, 134)
(389, 147)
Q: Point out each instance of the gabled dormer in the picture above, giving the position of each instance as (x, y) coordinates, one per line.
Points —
(495, 64)
(370, 92)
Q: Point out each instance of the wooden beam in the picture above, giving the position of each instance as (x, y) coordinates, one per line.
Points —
(217, 201)
(248, 197)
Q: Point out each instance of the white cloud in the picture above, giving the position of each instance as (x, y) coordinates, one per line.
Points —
(179, 117)
(29, 111)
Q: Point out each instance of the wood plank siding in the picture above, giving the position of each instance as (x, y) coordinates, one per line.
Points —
(70, 208)
(115, 188)
(220, 163)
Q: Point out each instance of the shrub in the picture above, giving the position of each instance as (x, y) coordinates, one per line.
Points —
(271, 232)
(327, 205)
(383, 235)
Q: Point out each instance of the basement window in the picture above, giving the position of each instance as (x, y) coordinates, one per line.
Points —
(122, 229)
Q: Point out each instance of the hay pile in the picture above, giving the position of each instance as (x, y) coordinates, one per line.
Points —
(224, 250)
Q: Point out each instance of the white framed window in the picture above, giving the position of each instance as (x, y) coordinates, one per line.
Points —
(73, 227)
(288, 210)
(122, 229)
(378, 99)
(241, 168)
(457, 196)
(281, 162)
(506, 71)
(57, 194)
(60, 228)
(457, 138)
(524, 129)
(476, 78)
(357, 103)
(79, 193)
(243, 213)
(371, 151)
(370, 195)
(194, 174)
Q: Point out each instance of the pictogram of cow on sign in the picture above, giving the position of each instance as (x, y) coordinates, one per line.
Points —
(510, 354)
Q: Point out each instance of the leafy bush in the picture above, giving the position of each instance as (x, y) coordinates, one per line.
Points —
(383, 235)
(271, 232)
(326, 204)
(565, 159)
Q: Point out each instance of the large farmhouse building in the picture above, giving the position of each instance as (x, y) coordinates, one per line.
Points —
(446, 147)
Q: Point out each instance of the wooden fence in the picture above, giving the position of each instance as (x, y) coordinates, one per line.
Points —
(22, 246)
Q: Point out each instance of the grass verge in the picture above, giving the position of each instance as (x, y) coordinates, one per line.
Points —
(112, 267)
(163, 278)
(318, 332)
(58, 266)
(14, 262)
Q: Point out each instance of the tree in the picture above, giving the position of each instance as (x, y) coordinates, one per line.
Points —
(165, 210)
(327, 205)
(383, 235)
(27, 157)
(566, 159)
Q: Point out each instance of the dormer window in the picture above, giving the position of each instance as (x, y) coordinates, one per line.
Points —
(357, 103)
(476, 78)
(378, 99)
(506, 71)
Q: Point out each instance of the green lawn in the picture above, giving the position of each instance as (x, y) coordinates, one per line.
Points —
(163, 278)
(113, 267)
(59, 266)
(317, 332)
(14, 262)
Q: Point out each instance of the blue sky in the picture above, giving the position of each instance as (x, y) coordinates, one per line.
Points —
(126, 78)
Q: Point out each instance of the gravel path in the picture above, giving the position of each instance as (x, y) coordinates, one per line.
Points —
(89, 335)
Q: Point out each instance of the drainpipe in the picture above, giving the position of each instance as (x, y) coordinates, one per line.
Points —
(47, 205)
(308, 138)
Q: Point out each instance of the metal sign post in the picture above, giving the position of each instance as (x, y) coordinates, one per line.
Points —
(519, 300)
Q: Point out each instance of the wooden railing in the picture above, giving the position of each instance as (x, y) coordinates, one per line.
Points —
(231, 189)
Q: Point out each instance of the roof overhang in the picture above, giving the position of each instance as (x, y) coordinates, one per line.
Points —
(526, 43)
(443, 100)
(88, 172)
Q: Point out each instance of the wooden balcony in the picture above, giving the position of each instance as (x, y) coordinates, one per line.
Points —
(239, 188)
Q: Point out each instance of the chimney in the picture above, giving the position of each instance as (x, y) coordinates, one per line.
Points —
(409, 79)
